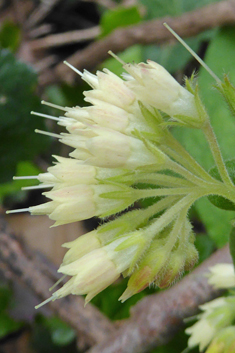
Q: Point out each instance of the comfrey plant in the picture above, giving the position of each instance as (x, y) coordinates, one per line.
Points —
(121, 142)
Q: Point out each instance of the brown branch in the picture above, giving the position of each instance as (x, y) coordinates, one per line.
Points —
(60, 39)
(41, 12)
(155, 319)
(187, 25)
(91, 326)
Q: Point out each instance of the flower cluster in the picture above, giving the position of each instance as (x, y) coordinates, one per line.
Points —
(215, 325)
(121, 142)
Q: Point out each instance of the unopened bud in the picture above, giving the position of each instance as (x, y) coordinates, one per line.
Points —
(153, 85)
(222, 276)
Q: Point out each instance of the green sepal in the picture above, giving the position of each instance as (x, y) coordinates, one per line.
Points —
(201, 118)
(153, 120)
(127, 222)
(161, 158)
(170, 123)
(202, 113)
(190, 84)
(149, 136)
(228, 92)
(125, 204)
(127, 177)
(219, 201)
(136, 239)
(125, 193)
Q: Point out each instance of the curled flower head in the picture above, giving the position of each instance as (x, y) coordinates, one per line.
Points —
(121, 144)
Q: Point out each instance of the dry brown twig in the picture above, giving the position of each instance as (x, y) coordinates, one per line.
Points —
(41, 12)
(187, 25)
(154, 319)
(65, 38)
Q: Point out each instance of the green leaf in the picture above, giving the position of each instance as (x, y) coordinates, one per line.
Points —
(5, 297)
(220, 201)
(172, 57)
(216, 221)
(10, 36)
(61, 333)
(119, 17)
(12, 187)
(17, 99)
(8, 325)
(205, 246)
(159, 8)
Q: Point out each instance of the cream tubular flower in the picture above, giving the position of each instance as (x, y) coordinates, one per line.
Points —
(222, 276)
(70, 171)
(107, 115)
(110, 149)
(108, 88)
(97, 269)
(81, 246)
(153, 85)
(79, 202)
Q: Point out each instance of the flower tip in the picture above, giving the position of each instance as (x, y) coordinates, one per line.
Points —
(116, 57)
(126, 295)
(44, 302)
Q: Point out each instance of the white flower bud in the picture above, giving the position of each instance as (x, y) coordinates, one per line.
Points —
(222, 276)
(91, 79)
(70, 171)
(81, 246)
(91, 274)
(106, 115)
(110, 149)
(111, 89)
(79, 202)
(153, 85)
(98, 268)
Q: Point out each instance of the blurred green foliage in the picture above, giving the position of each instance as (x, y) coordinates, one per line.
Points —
(120, 17)
(17, 100)
(7, 324)
(58, 333)
(10, 36)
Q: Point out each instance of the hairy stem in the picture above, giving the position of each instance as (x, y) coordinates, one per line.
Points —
(211, 138)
